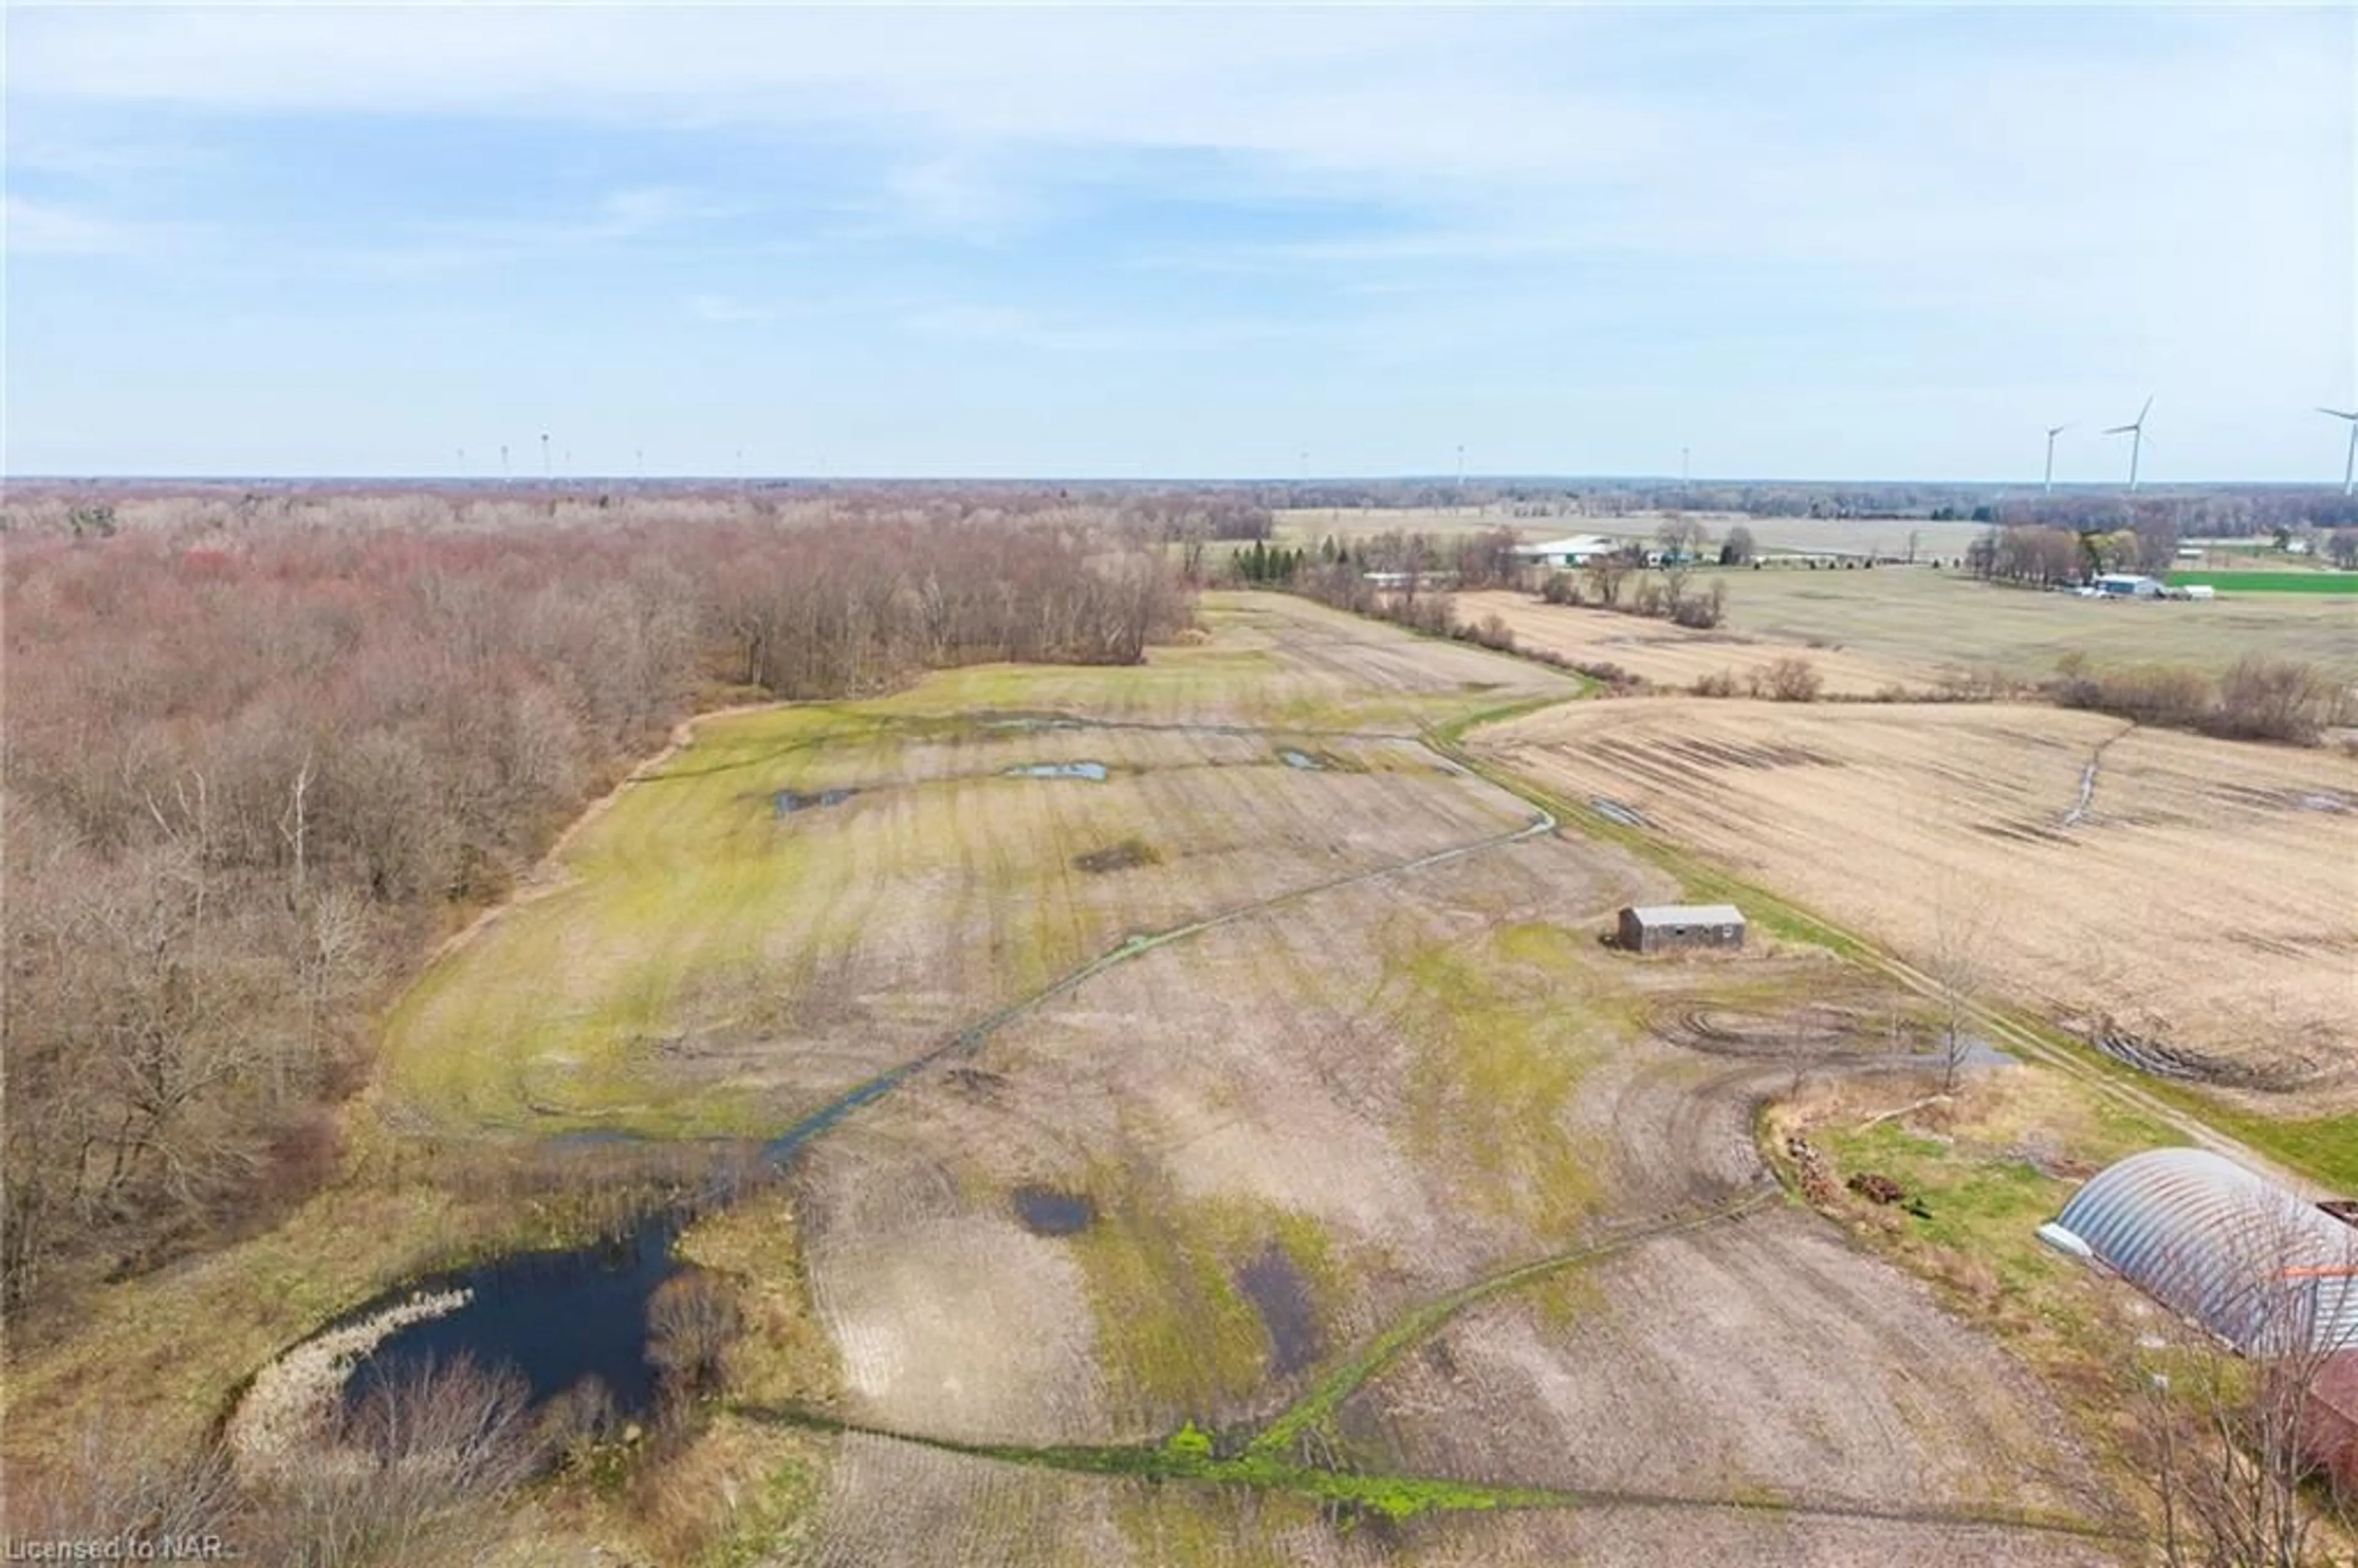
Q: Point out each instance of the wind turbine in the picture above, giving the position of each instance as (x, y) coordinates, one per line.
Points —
(2052, 431)
(2350, 462)
(2135, 430)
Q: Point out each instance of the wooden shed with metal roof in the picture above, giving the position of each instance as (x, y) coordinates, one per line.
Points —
(1652, 928)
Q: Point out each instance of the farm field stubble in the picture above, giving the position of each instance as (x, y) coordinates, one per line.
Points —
(1921, 629)
(2203, 902)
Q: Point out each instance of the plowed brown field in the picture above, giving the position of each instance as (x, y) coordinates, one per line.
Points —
(2204, 899)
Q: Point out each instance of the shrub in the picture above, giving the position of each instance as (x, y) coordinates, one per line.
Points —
(1787, 679)
(1495, 633)
(691, 1323)
(1615, 680)
(2277, 699)
(1702, 612)
(2150, 694)
(1560, 588)
(1722, 684)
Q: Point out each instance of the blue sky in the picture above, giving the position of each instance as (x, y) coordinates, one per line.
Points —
(1873, 241)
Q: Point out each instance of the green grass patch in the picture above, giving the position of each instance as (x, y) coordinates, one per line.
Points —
(1500, 1050)
(2318, 579)
(1190, 1454)
(1172, 1325)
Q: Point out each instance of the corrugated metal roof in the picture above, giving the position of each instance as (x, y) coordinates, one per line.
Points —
(2239, 1254)
(1688, 914)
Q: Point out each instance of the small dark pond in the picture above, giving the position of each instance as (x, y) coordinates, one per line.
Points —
(555, 1318)
(1274, 1286)
(559, 1316)
(1048, 1211)
(787, 802)
(1059, 771)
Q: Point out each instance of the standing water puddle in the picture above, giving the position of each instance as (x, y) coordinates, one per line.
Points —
(1273, 1285)
(787, 802)
(1059, 771)
(1048, 1211)
(1302, 760)
(1614, 811)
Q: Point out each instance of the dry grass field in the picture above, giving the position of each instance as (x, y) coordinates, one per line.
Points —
(2205, 900)
(1924, 630)
(1678, 656)
(1921, 622)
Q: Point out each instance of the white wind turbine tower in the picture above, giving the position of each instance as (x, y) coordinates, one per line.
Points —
(2135, 430)
(2052, 431)
(2349, 462)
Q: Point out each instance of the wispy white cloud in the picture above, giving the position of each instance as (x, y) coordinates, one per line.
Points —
(2039, 200)
(46, 229)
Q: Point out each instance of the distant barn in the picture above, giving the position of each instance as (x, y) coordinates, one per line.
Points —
(1654, 927)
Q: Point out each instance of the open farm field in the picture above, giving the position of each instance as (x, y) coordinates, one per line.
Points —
(1232, 1142)
(2196, 902)
(1932, 621)
(1917, 625)
(1307, 525)
(1419, 1122)
(1678, 656)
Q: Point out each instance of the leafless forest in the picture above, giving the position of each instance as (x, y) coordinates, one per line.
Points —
(262, 752)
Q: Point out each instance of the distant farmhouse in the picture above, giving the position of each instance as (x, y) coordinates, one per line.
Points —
(1653, 928)
(2127, 585)
(1566, 555)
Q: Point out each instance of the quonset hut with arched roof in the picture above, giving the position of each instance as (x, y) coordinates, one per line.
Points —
(2240, 1256)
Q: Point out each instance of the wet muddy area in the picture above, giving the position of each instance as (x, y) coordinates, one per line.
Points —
(1094, 771)
(1614, 811)
(1029, 723)
(1121, 857)
(1301, 761)
(787, 802)
(1276, 1290)
(1045, 1211)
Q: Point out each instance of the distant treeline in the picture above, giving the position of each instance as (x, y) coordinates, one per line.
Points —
(1240, 508)
(258, 755)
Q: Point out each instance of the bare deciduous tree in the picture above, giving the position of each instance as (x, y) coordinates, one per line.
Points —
(1958, 965)
(2231, 1444)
